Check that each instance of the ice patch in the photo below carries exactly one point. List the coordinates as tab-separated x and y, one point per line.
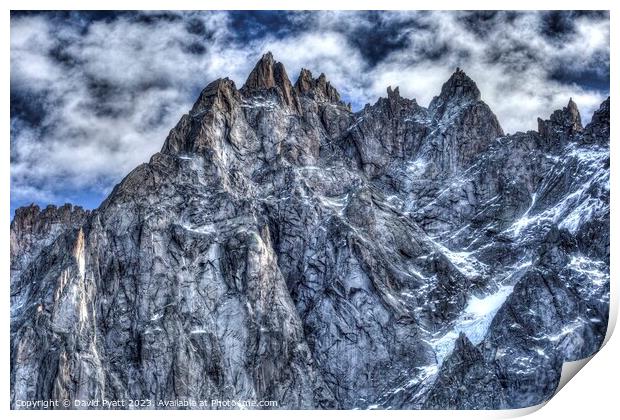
469	266
581	213
523	264
417	274
416	167
422	374
589	154
566	330
524	220
336	203
481	307
204	229
595	270
474	321
420	119
260	102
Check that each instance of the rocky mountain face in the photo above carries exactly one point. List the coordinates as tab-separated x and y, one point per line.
33	229
282	247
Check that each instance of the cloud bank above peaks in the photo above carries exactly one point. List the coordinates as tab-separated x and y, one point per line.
93	94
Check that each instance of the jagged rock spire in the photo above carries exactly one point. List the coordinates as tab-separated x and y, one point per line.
572	109
319	89
305	82
393	94
262	76
601	116
569	116
220	92
561	124
219	97
397	102
459	89
598	129
270	74
459	85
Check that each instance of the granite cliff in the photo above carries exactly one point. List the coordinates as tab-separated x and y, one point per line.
283	247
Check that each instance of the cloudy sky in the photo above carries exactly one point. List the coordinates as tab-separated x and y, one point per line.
94	94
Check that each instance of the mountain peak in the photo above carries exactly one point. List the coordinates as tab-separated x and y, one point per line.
305	81
571	113
566	120
393	94
460	85
319	89
568	116
598	128
263	74
458	89
268	74
214	91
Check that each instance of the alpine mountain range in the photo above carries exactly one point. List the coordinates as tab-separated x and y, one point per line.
283	247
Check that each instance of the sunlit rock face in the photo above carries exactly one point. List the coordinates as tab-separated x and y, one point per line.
282	247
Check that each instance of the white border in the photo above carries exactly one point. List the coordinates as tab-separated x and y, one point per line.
594	393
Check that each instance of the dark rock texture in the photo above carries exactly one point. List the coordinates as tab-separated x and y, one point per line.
465	381
32	229
282	247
